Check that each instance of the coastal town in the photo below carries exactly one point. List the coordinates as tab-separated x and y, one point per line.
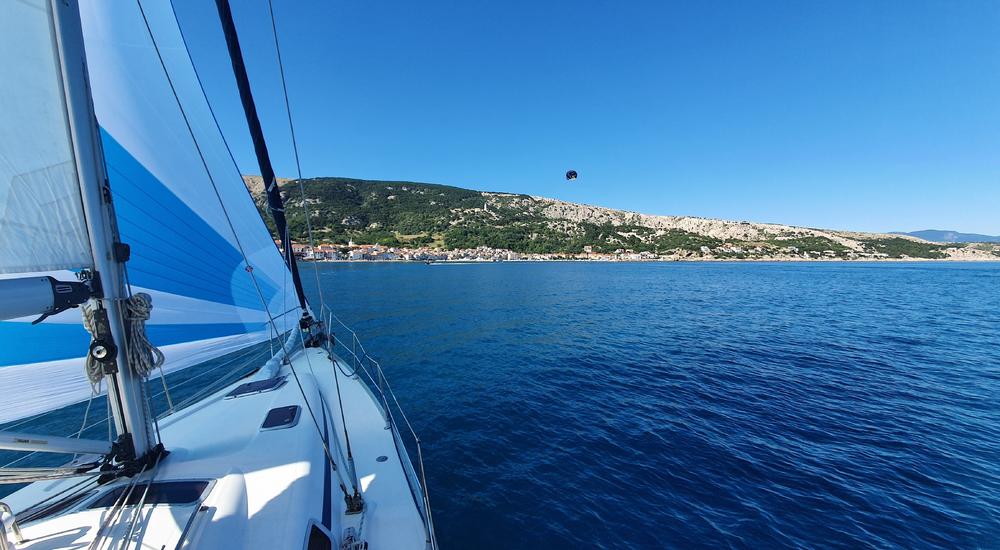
368	220
353	252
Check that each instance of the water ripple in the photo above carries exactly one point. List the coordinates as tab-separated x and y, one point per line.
696	405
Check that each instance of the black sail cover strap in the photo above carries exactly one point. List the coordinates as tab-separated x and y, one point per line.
274	202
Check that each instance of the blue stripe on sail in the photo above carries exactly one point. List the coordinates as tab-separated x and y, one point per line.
173	249
25	343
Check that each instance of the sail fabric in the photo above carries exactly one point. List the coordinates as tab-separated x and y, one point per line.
41	214
180	201
198	244
41	367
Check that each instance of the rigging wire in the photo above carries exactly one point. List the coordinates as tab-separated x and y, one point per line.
220	383
312	243
225	143
208	172
125	286
94	392
137	509
38	509
326	448
201	154
114	513
107	419
211	388
319	430
285	273
295	150
343	420
23	421
140	355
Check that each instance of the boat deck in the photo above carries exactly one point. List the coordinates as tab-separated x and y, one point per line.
266	487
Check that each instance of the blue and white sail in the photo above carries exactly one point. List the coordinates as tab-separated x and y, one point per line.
42	224
198	244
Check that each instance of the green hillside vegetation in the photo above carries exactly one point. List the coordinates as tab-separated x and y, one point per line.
810	244
898	247
410	214
345	208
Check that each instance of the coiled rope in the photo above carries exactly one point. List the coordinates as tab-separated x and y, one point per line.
142	356
93	368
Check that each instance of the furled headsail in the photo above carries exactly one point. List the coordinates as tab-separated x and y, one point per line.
198	244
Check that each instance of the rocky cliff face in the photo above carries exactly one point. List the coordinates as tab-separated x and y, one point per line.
256	185
723	230
420	214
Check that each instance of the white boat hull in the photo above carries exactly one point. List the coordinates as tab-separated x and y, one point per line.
268	488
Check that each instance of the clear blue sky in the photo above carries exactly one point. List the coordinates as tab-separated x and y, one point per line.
869	115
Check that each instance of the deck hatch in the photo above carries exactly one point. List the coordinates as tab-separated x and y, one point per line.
260	386
318	540
161	492
54	509
281	417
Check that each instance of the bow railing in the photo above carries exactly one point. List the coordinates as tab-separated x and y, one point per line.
351	352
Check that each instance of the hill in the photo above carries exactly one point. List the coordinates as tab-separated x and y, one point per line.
410	214
942	236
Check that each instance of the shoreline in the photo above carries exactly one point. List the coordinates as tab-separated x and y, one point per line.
667	261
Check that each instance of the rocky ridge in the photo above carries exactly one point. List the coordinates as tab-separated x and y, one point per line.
410	214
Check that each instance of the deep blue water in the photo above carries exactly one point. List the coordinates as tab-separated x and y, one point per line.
681	405
569	405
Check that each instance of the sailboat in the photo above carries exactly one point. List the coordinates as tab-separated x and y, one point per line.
143	296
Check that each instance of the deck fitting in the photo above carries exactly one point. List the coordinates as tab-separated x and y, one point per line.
355	504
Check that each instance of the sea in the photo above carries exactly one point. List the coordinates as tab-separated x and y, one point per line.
693	405
687	405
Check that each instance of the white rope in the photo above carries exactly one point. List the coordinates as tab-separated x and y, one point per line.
141	355
93	368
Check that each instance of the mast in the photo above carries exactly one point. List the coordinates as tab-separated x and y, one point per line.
274	202
125	387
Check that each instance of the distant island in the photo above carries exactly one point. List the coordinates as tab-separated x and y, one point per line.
409	220
942	236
